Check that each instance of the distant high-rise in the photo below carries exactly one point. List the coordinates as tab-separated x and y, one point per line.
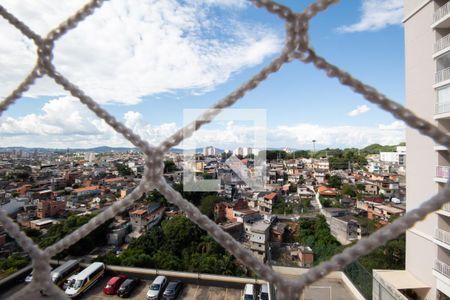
209	151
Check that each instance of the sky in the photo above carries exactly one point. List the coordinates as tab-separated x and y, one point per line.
150	63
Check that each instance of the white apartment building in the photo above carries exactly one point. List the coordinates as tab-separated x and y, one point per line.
209	151
397	157
427	58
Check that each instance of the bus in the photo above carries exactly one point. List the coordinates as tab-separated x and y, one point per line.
85	279
64	271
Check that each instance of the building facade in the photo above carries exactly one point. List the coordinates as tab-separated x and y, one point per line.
427	60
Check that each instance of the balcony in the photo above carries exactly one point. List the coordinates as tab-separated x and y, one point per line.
441	45
442	268
445	211
443	238
442	173
441	17
442	110
442	75
446	207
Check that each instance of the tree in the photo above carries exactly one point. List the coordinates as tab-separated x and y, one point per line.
180	232
155	196
124	170
207	204
301	180
348	190
169	166
177	245
12	264
335	181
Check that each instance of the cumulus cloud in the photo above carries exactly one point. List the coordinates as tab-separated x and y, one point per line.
301	135
376	15
359	110
130	49
78	127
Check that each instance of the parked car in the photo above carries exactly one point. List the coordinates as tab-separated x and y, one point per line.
249	292
113	284
173	289
264	292
127	287
29	278
157	288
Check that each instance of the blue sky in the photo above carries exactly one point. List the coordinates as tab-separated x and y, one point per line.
149	86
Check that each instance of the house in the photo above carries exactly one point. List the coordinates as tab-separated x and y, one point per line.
225	210
118	233
41	223
277	232
380	212
144	218
50	208
257	238
327	191
347	229
266	203
304	255
84	192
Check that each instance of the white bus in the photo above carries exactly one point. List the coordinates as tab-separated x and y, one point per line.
64	271
85	279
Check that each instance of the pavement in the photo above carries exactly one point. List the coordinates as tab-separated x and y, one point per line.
190	291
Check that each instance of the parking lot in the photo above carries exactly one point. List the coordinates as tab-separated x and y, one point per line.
190	291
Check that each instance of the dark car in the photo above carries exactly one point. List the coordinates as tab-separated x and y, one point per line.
113	284
172	290
127	287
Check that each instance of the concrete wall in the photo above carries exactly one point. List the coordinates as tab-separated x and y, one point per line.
422	159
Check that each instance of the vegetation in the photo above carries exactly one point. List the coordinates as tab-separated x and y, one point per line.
207	204
335	182
57	231
177	245
316	234
12	264
169	166
124	170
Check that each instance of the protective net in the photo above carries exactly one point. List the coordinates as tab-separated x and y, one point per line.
296	46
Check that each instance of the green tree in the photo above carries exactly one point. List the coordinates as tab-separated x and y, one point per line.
169	166
207	204
124	170
348	190
335	181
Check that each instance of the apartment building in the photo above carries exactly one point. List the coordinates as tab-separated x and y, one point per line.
427	58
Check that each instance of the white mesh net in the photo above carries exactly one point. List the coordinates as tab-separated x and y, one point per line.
296	47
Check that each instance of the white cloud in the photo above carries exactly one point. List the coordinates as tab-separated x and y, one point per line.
301	135
77	127
359	110
130	49
376	15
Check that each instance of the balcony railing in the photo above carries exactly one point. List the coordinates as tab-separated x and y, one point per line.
441	12
442	75
442	43
442	236
446	207
442	171
442	268
442	107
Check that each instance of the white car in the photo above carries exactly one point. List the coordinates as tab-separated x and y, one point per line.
157	288
249	292
29	278
264	292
